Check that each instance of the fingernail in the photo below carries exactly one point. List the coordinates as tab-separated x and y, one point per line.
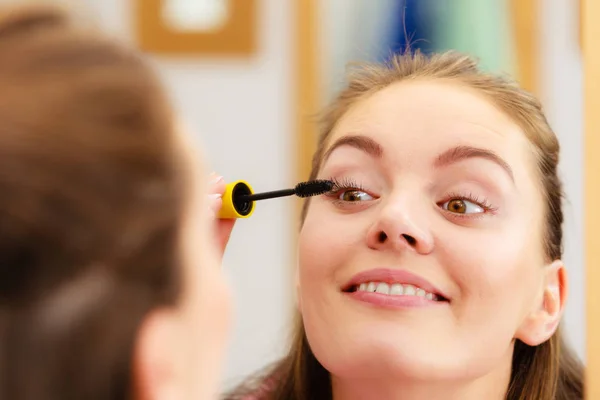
216	179
214	196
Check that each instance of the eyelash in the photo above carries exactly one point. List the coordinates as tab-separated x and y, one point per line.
473	198
343	184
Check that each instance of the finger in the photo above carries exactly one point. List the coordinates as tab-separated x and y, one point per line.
225	228
216	184
215	203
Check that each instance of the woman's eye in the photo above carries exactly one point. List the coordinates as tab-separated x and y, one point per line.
461	206
354	196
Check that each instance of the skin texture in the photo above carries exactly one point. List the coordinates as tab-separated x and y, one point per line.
486	256
180	351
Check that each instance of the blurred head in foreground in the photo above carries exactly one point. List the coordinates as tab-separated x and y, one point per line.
108	272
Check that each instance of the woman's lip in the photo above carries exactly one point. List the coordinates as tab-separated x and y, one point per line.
390	276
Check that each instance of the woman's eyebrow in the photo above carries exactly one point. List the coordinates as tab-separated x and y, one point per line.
460	153
360	142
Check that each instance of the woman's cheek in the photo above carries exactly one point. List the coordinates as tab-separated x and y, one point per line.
486	264
328	242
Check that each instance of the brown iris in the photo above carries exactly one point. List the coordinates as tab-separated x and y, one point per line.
457	206
352	195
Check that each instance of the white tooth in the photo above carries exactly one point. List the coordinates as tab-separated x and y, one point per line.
362	287
409	290
396	289
371	287
429	296
383	288
420	293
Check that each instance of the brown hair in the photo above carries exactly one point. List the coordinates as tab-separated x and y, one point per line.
90	206
546	372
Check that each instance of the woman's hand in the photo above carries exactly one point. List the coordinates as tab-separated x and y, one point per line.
223	226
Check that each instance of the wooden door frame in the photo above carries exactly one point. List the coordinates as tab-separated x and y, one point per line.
590	32
307	83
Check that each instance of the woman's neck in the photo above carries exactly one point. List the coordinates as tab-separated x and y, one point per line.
490	387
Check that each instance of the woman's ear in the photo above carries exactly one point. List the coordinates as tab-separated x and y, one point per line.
541	323
157	358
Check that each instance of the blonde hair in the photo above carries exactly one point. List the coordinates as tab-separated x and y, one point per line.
544	372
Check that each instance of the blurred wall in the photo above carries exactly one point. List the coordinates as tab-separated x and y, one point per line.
242	112
561	84
342	42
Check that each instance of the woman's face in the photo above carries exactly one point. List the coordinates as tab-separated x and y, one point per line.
426	261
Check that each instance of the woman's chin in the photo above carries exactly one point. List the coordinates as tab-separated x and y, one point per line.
402	357
372	344
382	358
382	368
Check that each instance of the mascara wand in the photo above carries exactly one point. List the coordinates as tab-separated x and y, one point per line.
303	189
239	197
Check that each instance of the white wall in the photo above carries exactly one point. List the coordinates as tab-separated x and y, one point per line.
242	110
562	81
342	42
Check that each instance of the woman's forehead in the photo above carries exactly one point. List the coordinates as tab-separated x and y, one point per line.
424	103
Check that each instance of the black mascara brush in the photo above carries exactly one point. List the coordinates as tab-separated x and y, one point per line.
239	198
303	189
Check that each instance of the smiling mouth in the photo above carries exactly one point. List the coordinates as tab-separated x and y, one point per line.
395	289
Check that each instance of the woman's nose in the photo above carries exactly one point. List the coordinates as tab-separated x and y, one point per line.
401	227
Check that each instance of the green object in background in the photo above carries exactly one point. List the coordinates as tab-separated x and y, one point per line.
481	28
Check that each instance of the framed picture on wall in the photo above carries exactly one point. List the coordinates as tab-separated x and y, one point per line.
196	27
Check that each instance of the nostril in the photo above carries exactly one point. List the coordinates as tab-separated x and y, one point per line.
382	237
411	240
